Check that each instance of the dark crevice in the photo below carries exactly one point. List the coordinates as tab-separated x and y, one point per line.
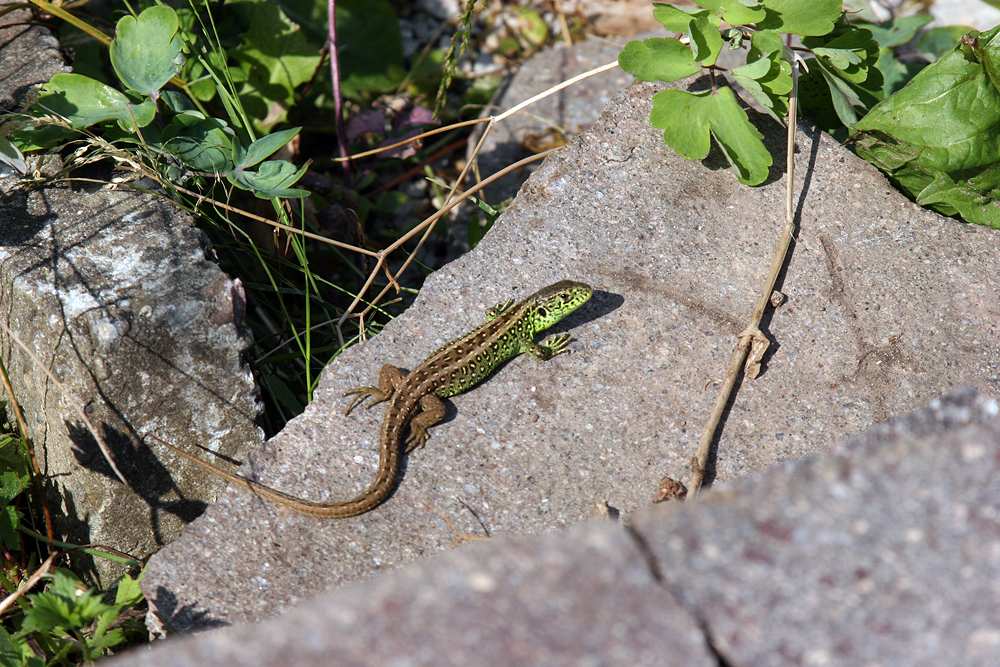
657	573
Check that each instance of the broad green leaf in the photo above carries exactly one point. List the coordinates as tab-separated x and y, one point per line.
690	120
146	50
938	138
706	39
677	19
815	17
204	144
735	12
85	102
262	148
12	157
938	41
658	59
897	31
970	198
950	114
271	180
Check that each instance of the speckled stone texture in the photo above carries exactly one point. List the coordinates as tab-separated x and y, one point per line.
886	552
888	306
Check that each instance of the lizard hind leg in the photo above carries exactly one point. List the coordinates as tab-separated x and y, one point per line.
389	379
432	410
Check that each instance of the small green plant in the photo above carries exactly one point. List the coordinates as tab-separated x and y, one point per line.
845	54
936	138
70	622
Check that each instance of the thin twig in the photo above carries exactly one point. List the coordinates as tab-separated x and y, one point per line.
29	584
752	340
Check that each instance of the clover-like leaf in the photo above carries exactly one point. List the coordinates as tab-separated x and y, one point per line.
146	50
677	19
816	17
658	59
271	180
735	12
767	76
85	102
853	53
690	120
706	40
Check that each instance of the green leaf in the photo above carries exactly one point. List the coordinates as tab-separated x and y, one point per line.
735	12
690	120
202	144
146	50
658	59
816	17
14	651
897	31
840	58
261	149
12	157
677	19
66	604
853	54
767	76
938	138
85	102
707	41
936	42
271	180
128	593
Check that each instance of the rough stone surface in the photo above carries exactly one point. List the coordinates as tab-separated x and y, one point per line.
585	597
886	552
112	290
887	307
571	110
29	55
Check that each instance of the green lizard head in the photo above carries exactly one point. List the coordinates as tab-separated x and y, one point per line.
555	302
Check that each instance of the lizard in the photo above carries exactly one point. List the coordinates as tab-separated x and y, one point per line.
415	399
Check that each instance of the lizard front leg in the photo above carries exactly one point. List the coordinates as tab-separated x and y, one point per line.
551	347
390	379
